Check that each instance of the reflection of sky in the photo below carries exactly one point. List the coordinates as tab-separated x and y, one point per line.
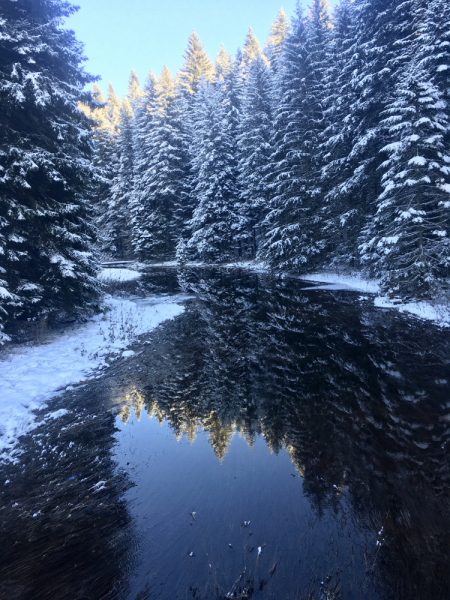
174	478
143	34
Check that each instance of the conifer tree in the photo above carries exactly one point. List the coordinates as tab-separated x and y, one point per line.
117	217
408	243
294	238
164	184
275	42
344	219
135	94
45	171
105	160
214	168
143	132
250	51
196	64
113	110
375	60
223	64
255	135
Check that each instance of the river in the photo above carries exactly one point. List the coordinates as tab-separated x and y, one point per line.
272	442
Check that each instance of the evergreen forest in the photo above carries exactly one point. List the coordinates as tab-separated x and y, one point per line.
328	147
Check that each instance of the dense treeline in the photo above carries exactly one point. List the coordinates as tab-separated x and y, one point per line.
47	235
328	147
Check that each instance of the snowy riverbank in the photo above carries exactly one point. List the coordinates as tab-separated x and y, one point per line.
30	376
437	312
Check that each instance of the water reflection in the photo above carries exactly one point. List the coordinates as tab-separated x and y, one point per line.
65	531
359	399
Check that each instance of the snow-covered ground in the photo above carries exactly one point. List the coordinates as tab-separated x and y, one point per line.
437	312
111	274
30	376
338	281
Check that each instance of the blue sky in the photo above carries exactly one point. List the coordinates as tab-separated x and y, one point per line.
146	34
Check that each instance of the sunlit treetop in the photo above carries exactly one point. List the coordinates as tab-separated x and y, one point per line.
196	64
251	49
223	63
113	111
135	94
278	33
165	88
320	10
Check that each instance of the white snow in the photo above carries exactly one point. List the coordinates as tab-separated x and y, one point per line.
439	313
340	281
110	274
30	376
57	413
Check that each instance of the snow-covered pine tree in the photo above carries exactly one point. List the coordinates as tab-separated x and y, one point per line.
164	186
251	50
255	135
135	94
44	161
222	66
408	241
196	65
294	238
275	42
117	217
105	160
373	61
145	119
214	168
343	222
113	111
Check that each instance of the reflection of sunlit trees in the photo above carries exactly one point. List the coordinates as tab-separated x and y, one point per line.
349	392
152	407
124	413
130	399
219	435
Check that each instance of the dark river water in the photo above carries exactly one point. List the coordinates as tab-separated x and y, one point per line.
271	442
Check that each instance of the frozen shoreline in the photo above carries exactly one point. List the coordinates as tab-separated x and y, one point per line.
437	313
30	376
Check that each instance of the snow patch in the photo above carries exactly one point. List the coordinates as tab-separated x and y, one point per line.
110	274
30	376
439	314
344	282
57	413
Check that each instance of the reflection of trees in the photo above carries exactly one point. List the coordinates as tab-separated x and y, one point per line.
67	536
356	397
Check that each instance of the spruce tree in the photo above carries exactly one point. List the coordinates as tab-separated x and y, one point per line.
251	49
143	131
135	94
45	168
255	135
408	244
164	186
344	218
294	238
215	219
275	42
222	66
117	219
105	159
376	57
113	110
196	64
